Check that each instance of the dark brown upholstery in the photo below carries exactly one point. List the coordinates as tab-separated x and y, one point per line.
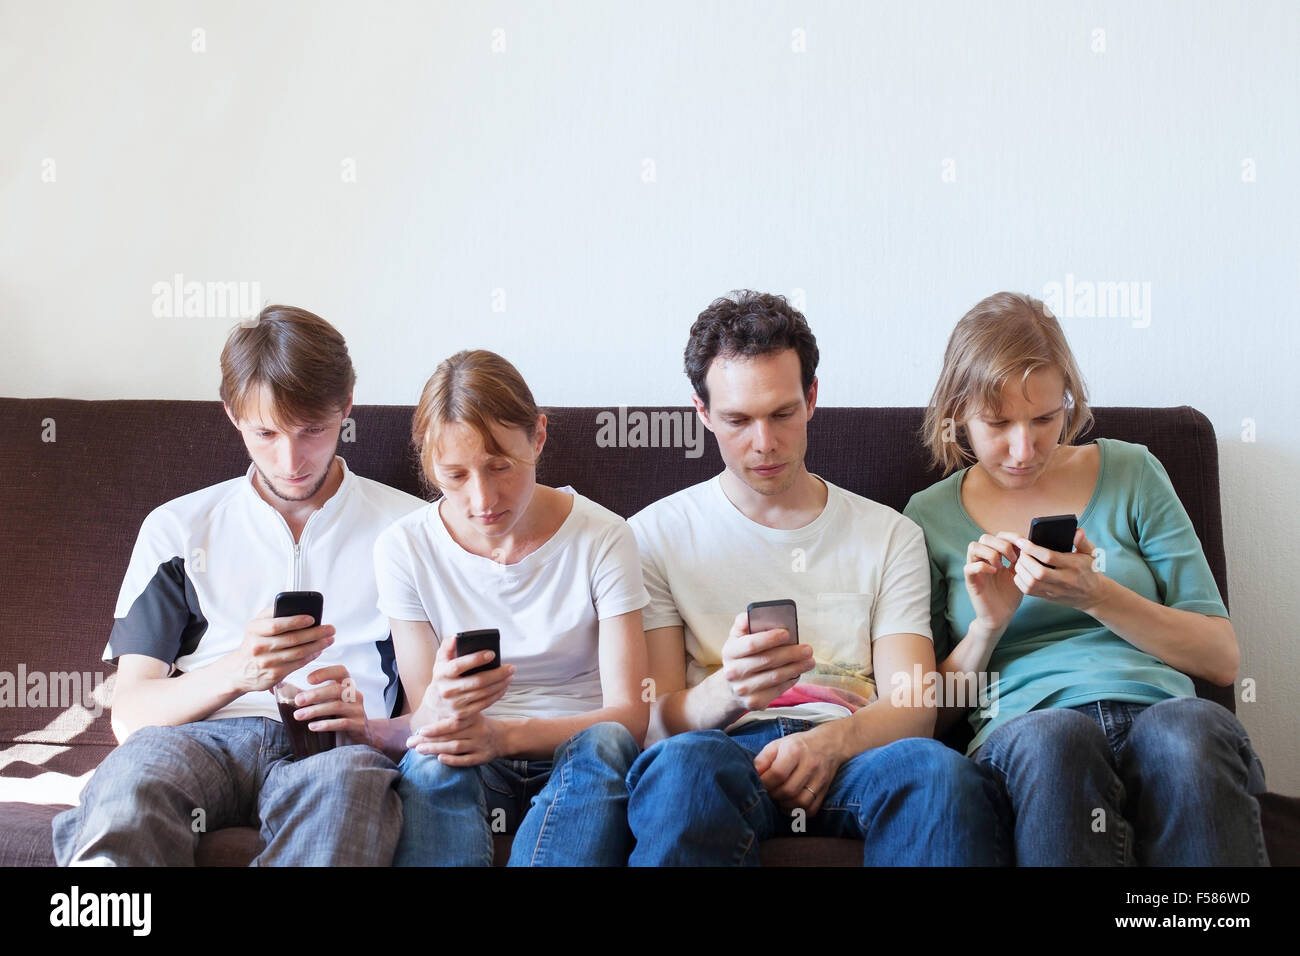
70	510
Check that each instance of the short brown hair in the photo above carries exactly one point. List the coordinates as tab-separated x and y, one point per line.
298	355
748	323
1006	337
476	388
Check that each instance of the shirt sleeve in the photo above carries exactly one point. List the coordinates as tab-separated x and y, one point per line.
662	609
903	604
939	629
1170	546
616	583
399	598
157	610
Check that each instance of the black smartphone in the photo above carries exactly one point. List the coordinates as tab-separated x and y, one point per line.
769	615
293	603
471	642
1055	532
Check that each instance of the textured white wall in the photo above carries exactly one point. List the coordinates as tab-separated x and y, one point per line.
611	167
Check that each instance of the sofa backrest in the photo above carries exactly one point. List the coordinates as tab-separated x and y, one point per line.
78	477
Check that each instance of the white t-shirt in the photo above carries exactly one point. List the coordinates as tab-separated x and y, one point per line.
857	572
548	607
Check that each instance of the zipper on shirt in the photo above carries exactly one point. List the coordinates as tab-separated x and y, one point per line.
295	573
295	570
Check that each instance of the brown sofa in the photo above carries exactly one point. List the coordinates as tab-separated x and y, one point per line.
70	509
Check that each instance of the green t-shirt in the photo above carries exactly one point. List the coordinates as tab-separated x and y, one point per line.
1056	656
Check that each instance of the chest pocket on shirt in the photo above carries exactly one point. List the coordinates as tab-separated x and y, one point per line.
839	629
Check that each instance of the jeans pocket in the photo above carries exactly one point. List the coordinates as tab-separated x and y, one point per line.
497	781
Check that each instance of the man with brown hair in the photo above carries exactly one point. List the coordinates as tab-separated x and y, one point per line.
202	741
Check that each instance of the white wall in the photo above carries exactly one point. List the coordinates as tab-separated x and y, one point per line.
819	173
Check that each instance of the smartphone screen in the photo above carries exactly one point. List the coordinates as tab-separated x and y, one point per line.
768	615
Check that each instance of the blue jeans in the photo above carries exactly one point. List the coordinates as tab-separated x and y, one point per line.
696	800
569	811
152	797
1113	784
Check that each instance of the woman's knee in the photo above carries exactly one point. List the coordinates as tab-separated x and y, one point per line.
1050	743
608	743
1187	732
426	774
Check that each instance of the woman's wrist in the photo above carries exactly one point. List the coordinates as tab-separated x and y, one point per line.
985	633
1102	598
972	653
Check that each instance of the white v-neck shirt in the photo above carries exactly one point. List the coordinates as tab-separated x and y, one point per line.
548	606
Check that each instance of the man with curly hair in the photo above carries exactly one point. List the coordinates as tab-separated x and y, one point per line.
769	733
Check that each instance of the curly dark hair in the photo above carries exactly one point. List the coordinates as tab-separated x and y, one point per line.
748	323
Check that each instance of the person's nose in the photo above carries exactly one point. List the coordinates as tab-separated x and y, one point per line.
1021	443
481	496
293	457
764	436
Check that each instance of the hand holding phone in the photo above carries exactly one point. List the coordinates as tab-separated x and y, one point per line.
757	667
277	642
1074	580
461	695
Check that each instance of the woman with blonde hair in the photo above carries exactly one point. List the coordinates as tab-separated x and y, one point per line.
539	742
1092	723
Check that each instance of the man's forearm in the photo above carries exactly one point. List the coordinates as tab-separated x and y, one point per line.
875	725
171	701
709	705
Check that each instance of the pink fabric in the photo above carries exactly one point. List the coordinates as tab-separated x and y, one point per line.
818	694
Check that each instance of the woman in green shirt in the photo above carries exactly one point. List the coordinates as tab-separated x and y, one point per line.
1087	714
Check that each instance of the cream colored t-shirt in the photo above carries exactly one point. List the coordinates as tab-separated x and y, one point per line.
857	572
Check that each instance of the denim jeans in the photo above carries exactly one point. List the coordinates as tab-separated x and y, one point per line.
1113	784
152	797
569	811
697	800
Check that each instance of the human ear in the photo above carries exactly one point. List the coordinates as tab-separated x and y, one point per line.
702	410
539	436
